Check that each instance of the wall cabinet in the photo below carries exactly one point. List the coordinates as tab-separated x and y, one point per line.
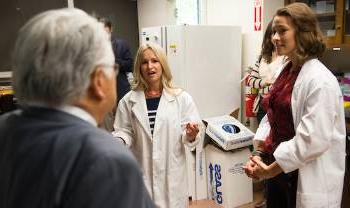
334	19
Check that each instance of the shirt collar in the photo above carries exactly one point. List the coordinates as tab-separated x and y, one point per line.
78	112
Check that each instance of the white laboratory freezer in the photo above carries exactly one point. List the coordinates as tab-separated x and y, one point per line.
205	61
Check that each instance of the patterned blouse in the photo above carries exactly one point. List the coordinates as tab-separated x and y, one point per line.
152	106
263	72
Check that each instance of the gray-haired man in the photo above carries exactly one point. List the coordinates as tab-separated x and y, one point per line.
51	152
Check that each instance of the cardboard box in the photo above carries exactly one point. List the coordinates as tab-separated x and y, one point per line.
228	185
228	132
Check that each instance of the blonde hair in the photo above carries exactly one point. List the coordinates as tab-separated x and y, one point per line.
139	82
308	36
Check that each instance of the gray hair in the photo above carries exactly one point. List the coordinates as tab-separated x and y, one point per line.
55	54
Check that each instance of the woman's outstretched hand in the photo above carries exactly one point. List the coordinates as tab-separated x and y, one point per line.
191	131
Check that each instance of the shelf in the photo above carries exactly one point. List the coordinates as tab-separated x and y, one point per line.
332	15
6	74
326	14
5	78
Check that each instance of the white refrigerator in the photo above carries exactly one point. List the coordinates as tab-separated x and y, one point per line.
205	61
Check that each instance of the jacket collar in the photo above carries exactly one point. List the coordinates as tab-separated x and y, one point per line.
52	114
304	70
139	107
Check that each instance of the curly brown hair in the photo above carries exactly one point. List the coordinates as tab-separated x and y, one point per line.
267	46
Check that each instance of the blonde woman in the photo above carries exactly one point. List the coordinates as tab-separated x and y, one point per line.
155	120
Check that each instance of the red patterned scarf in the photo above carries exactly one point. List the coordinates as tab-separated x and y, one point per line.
278	107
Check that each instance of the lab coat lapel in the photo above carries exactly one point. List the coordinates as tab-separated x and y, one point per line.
139	110
296	90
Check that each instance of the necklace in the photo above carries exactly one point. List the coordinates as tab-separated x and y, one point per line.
153	93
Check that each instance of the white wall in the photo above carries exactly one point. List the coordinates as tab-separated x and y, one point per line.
229	12
270	7
241	13
237	13
156	12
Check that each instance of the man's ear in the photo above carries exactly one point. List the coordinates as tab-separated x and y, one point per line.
97	84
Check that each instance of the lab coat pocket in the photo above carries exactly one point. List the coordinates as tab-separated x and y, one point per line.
177	145
178	149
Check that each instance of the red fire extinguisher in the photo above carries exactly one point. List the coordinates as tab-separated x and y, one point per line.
250	96
249	104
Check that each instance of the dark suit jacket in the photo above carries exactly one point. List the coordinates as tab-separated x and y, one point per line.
124	58
49	158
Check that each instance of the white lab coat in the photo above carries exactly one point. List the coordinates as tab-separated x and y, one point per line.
162	157
318	148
